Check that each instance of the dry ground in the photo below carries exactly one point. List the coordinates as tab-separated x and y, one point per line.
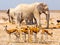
54	40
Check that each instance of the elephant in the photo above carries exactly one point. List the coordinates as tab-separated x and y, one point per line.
11	15
28	19
36	9
18	17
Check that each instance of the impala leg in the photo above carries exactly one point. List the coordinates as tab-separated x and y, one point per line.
20	35
17	36
41	37
46	37
24	37
35	35
29	36
9	38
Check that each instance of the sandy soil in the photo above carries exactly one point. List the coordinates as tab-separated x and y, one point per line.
54	40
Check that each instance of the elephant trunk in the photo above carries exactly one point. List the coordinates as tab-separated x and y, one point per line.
47	18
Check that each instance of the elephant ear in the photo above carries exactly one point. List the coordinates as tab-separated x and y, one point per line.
40	7
8	11
45	7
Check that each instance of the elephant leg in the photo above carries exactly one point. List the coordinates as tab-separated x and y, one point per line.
12	20
20	22
31	21
9	19
28	21
35	21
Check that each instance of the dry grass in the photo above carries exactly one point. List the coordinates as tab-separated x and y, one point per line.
4	38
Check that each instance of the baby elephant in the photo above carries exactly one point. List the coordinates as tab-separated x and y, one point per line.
29	19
